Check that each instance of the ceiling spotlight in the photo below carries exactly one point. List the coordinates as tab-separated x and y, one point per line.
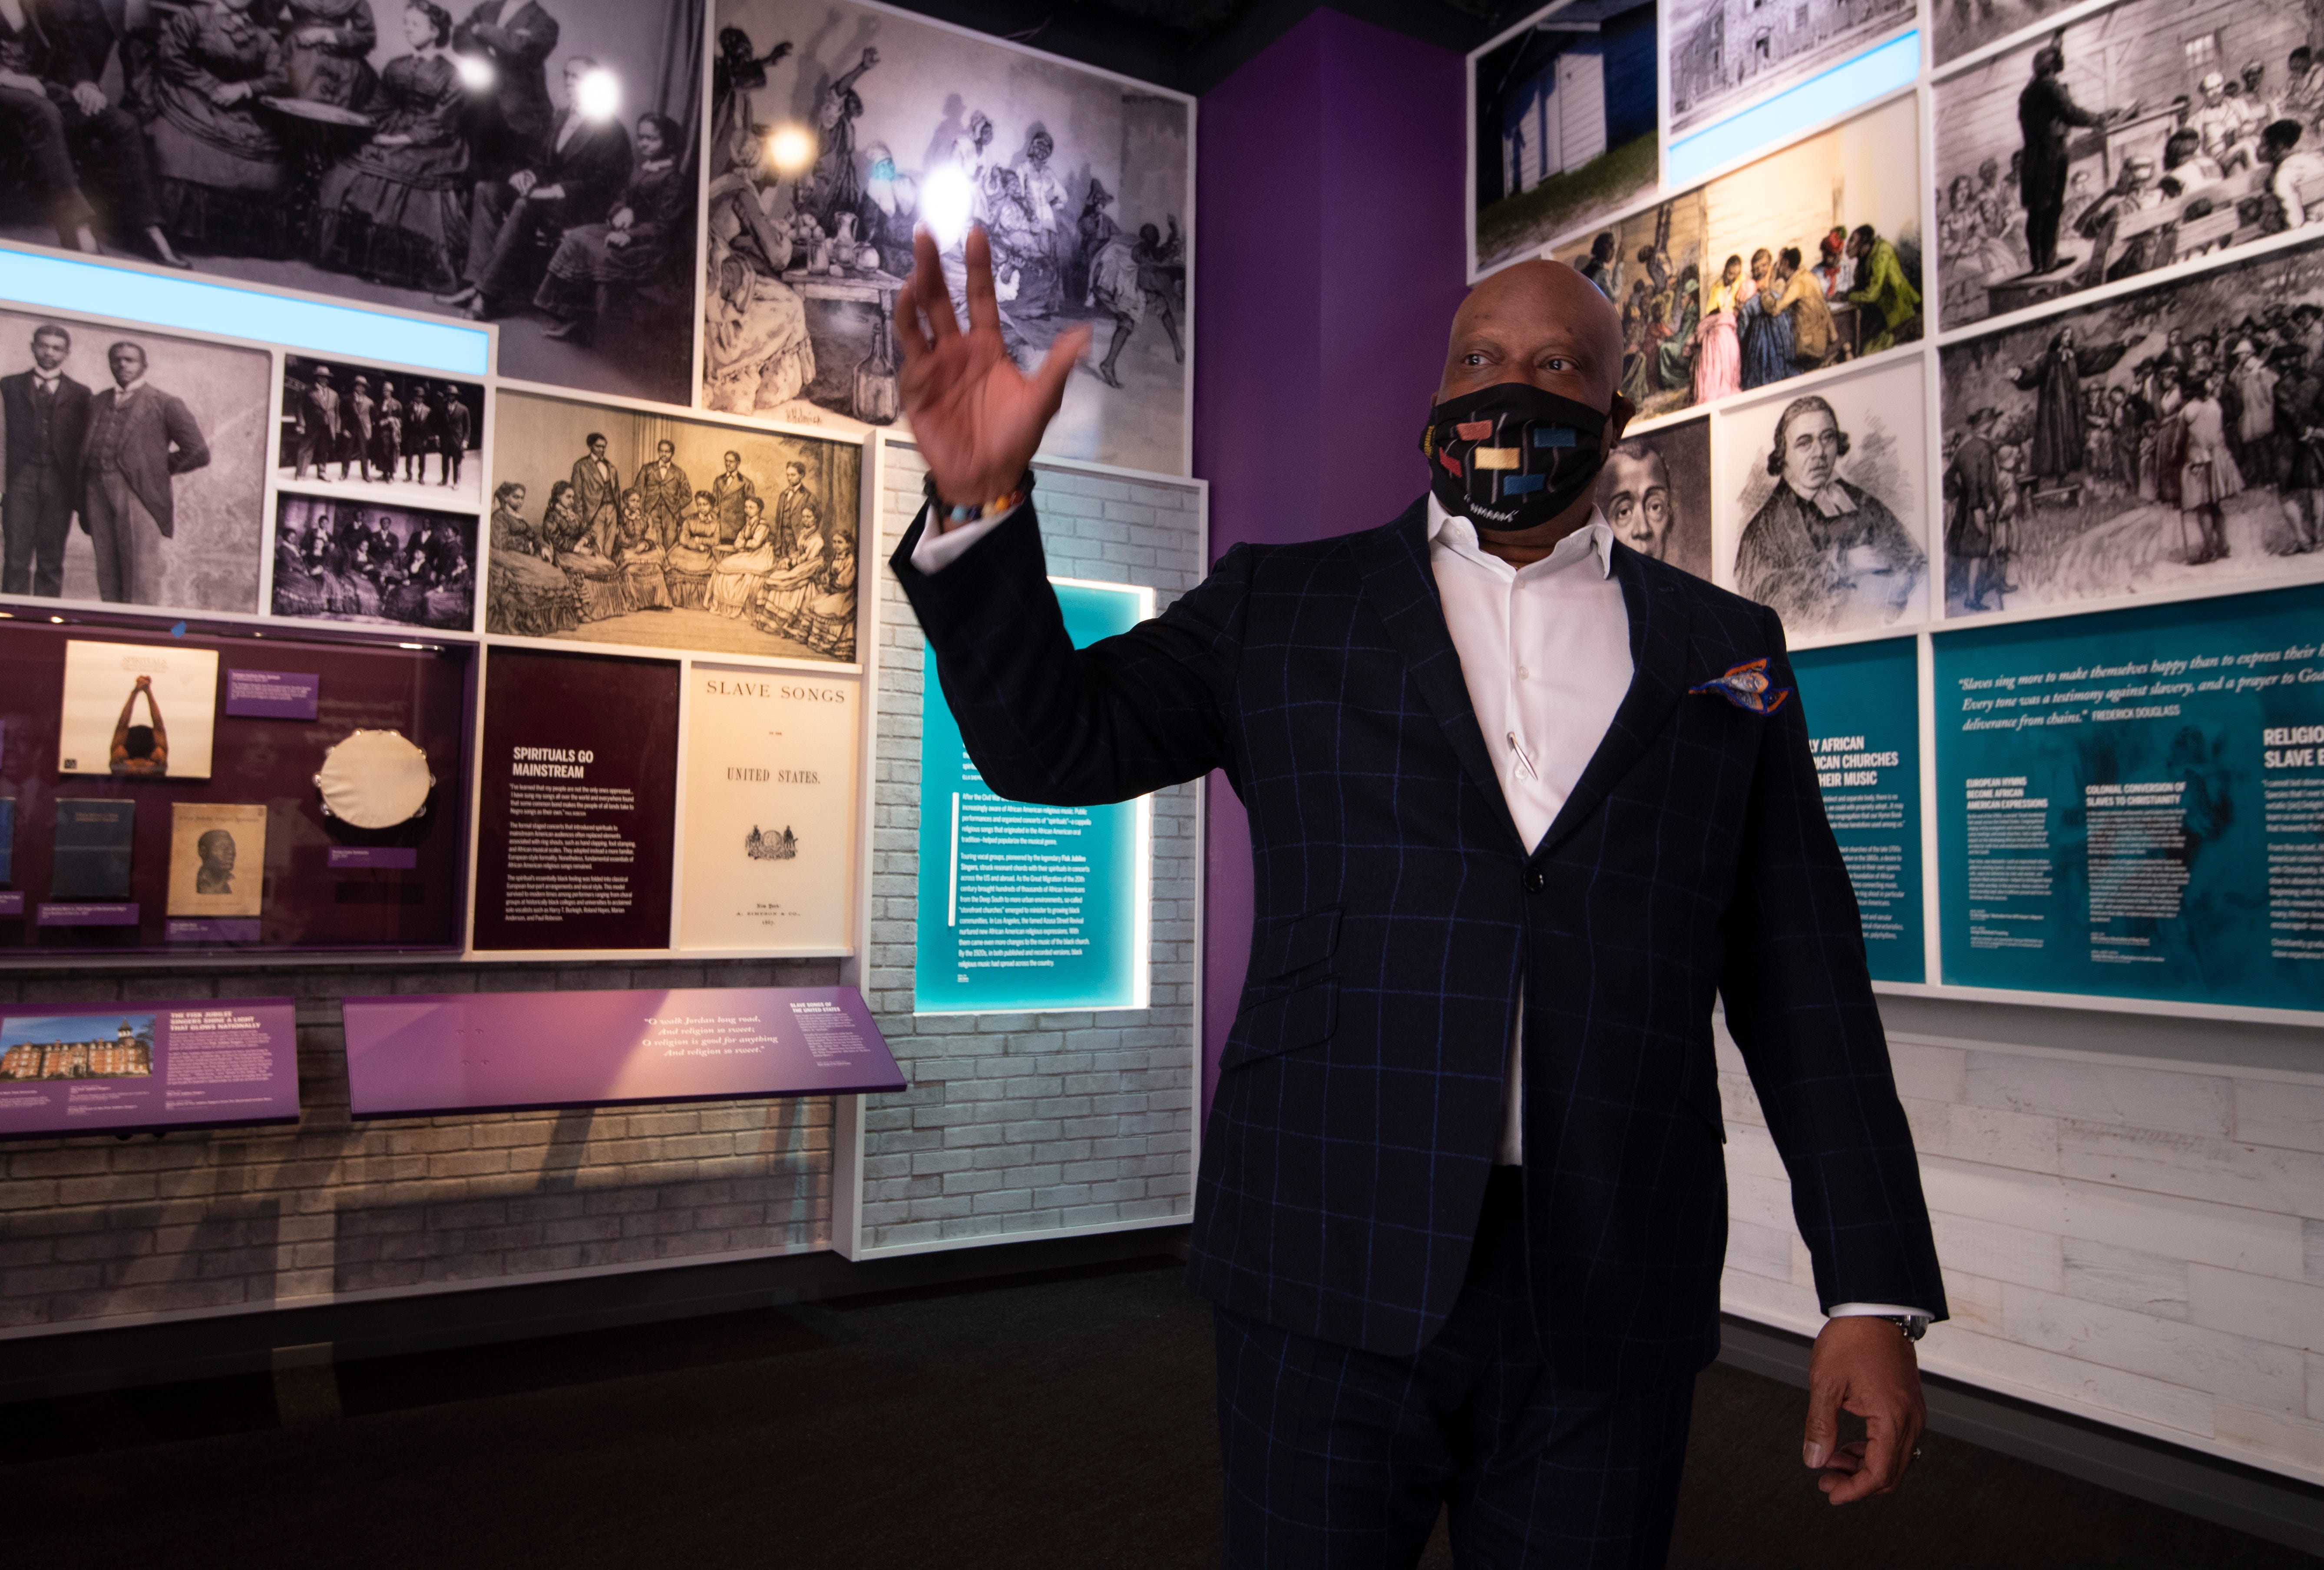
790	149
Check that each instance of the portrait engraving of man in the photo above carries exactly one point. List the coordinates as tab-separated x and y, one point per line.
140	440
47	414
1655	493
1822	552
216	874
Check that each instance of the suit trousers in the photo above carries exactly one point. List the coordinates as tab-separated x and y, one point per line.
128	540
1336	1457
504	233
35	517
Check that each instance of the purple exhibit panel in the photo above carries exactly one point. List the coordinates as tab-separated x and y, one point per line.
205	1064
504	1051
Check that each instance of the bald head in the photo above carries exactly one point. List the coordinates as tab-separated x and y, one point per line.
1540	322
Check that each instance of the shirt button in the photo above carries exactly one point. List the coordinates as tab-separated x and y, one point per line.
1536	880
1523	673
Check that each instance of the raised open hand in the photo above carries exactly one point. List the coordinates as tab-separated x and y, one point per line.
976	418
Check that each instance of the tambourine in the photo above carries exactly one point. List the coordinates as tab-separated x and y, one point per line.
374	780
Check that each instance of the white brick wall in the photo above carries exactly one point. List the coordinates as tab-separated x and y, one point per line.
2135	1239
1019	1124
100	1228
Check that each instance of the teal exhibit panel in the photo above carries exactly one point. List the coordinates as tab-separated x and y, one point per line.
1024	907
2132	804
1862	702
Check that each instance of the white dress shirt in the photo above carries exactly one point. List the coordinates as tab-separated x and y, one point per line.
1545	655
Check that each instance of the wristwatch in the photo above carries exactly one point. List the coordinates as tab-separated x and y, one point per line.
1914	1325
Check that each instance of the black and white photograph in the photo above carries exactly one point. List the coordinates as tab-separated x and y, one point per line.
1814	257
1654	491
1726	55
349	560
1650	265
1562	112
1960	27
136	466
615	526
382	435
1821	502
528	162
2146	134
836	126
2171	437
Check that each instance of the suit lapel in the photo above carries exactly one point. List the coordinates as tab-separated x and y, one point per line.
1658	644
1401	587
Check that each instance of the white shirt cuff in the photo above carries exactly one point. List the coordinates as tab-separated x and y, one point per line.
1870	1310
940	548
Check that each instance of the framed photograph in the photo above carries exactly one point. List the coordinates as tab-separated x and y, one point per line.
528	163
2160	441
142	711
1650	264
147	487
217	859
350	560
770	810
614	525
1820	503
1814	251
1655	493
1563	115
382	435
2119	145
1726	55
836	126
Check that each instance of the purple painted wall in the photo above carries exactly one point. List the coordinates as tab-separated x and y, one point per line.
1331	257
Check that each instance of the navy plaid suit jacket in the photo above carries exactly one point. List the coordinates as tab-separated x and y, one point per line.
1360	1099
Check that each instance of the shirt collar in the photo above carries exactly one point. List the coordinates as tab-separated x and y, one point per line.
1594	539
123	395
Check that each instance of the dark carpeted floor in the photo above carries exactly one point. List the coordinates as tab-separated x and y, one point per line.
1035	1423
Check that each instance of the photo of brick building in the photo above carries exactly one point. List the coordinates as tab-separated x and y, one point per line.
55	1054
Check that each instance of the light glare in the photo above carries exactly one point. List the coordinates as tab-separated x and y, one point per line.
790	149
598	94
945	202
477	73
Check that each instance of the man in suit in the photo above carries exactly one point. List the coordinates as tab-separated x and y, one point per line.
52	53
47	414
361	406
598	496
321	429
580	173
513	41
454	423
731	492
1524	804
795	512
665	490
140	440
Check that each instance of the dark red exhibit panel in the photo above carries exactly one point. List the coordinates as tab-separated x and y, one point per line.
578	782
398	889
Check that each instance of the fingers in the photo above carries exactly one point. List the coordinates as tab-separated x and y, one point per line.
928	295
984	309
1050	381
1877	1463
1823	1420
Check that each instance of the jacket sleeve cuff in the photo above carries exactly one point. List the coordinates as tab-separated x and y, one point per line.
939	550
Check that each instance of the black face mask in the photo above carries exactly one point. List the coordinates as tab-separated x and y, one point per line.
1510	456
